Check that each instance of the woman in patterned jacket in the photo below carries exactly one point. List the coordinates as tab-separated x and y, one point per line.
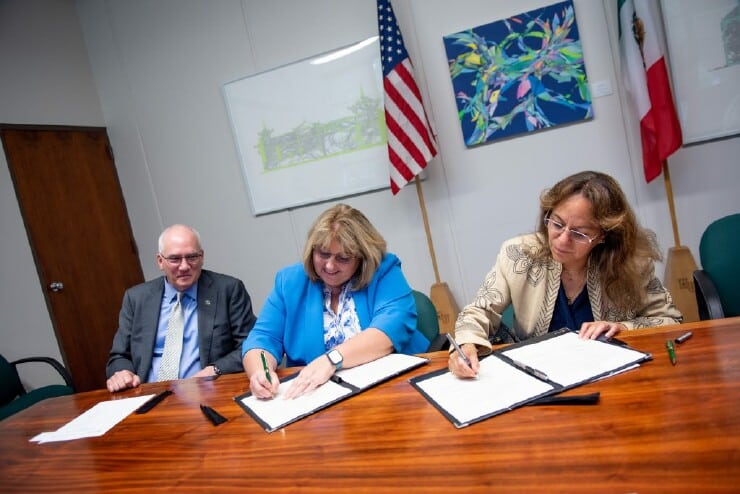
589	267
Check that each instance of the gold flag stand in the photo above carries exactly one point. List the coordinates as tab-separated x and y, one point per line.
440	294
680	264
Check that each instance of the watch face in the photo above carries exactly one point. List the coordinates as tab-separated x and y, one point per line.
334	357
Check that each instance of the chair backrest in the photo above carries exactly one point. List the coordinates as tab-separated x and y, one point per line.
720	261
427	322
10	382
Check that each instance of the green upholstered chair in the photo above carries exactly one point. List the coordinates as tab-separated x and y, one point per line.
717	283
14	397
505	332
427	322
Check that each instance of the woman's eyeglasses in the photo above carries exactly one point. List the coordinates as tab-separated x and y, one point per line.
574	235
339	258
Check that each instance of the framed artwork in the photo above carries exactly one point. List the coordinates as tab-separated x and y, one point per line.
704	55
313	130
519	74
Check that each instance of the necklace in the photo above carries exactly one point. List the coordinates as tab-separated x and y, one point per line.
571	276
573	282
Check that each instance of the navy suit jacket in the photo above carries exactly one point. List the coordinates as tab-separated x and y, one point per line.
225	318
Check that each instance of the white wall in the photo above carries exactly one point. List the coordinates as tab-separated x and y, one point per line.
159	68
46	79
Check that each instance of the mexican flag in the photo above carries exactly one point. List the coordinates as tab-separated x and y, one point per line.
641	46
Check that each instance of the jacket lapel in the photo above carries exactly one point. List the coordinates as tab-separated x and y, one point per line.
151	305
207	302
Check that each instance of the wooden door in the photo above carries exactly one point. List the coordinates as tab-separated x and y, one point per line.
80	236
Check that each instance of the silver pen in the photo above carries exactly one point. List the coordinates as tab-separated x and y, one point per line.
459	350
530	370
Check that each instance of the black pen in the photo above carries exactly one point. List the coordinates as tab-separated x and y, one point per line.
459	350
153	402
684	337
589	399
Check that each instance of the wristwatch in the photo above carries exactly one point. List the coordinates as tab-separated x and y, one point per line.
335	357
216	370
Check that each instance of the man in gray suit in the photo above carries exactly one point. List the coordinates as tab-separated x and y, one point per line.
217	314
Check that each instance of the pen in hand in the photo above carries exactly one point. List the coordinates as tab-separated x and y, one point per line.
459	350
265	367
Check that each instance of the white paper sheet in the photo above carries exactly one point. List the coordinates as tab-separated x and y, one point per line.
96	421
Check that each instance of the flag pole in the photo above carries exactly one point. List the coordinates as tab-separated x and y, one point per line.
680	264
671	207
444	302
430	244
412	146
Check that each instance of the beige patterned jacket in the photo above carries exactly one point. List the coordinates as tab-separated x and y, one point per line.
532	288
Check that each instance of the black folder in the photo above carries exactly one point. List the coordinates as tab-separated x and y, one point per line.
525	372
273	415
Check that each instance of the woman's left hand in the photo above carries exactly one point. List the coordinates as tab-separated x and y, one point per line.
311	377
592	330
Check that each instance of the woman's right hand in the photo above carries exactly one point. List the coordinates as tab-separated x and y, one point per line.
263	381
459	367
261	387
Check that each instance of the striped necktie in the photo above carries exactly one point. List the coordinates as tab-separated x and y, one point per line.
169	366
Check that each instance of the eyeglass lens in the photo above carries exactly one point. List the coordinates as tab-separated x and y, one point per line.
339	258
190	259
574	235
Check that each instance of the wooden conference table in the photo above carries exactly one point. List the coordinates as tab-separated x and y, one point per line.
659	428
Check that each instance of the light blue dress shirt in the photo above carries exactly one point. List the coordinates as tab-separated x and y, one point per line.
190	357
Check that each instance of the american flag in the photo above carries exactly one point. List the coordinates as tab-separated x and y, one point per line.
410	141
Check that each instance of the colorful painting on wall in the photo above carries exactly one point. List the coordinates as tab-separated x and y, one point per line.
520	74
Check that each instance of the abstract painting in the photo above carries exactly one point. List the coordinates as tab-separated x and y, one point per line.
519	74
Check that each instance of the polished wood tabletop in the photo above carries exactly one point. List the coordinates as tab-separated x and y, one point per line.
658	428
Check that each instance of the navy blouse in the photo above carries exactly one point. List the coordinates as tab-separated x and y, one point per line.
571	315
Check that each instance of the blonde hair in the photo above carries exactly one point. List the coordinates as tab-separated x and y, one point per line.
626	250
356	236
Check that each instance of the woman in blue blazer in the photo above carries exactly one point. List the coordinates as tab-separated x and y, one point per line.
348	303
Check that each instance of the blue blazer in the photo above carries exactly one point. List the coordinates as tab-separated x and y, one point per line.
224	318
292	320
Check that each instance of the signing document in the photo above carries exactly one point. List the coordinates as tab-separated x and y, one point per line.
278	412
524	372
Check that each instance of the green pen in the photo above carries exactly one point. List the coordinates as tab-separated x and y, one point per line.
264	366
671	351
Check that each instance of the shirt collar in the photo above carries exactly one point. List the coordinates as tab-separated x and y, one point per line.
170	293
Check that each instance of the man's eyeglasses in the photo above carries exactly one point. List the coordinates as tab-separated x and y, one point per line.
574	235
191	259
339	258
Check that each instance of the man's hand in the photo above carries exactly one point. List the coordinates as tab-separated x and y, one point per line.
123	379
206	371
